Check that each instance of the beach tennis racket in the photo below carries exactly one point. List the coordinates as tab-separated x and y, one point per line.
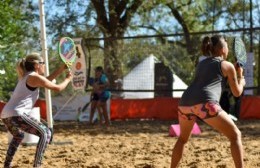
67	51
86	105
239	51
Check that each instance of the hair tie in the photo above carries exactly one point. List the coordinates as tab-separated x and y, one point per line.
23	61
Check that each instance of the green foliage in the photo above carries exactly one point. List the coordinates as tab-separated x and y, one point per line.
17	34
19	31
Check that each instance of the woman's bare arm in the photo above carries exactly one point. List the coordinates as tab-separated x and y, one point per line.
57	72
235	78
37	80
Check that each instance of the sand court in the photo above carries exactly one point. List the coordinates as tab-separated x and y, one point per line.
136	144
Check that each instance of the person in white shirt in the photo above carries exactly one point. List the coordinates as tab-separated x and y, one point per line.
15	113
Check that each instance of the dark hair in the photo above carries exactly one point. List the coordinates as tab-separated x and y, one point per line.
210	44
99	69
216	41
31	60
206	46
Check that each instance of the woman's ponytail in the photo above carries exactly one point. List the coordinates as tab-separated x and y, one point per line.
20	68
206	46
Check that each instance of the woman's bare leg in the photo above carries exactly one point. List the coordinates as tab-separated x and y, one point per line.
224	124
103	106
92	111
185	131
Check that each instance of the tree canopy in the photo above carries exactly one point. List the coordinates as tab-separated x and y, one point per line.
17	37
104	23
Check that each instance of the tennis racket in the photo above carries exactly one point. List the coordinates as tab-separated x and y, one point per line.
67	51
239	51
86	105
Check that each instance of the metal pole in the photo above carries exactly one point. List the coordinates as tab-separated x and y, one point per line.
45	57
213	20
251	26
258	79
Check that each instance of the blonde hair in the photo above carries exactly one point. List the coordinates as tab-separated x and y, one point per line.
27	64
31	60
20	68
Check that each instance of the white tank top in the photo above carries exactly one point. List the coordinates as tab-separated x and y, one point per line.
22	99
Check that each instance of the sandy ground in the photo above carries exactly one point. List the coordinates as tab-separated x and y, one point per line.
135	144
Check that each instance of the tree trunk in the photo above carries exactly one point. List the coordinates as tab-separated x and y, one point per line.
112	61
113	19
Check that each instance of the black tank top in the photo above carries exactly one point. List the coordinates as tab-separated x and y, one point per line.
207	84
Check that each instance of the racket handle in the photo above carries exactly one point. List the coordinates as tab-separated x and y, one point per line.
51	138
239	64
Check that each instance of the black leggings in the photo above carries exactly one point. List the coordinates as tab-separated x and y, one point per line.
17	126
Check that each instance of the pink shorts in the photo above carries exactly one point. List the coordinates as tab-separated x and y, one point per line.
202	111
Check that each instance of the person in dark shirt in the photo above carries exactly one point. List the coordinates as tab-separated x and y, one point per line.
100	95
201	99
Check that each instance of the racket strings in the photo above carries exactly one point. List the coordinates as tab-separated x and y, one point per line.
67	51
240	51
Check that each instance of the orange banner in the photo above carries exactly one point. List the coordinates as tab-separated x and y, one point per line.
250	107
2	104
157	108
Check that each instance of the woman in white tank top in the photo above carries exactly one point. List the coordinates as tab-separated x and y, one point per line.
15	113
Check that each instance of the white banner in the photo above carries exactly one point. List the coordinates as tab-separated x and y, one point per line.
79	67
249	73
70	108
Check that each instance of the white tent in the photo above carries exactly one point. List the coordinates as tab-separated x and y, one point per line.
142	78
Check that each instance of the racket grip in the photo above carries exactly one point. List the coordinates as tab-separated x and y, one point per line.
51	138
239	64
68	64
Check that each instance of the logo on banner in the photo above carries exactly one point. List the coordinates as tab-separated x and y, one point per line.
79	67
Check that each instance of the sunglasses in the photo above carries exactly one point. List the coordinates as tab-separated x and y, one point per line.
42	63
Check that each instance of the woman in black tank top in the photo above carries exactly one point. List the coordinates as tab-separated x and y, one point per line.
197	100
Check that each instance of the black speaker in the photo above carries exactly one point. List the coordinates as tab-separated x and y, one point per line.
163	81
